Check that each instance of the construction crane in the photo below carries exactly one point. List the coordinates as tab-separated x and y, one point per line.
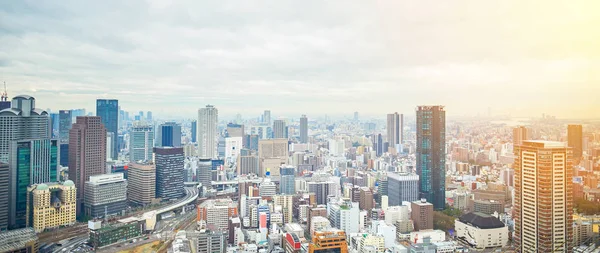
4	95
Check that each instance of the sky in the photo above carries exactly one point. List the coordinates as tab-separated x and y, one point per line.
515	57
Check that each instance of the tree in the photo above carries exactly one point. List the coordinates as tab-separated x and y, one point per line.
587	207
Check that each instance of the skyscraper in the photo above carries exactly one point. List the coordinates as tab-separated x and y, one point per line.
575	137
194	131
141	187
431	154
303	129
279	129
87	152
20	122
207	131
287	183
235	130
395	123
168	135
520	134
169	172
543	204
31	162
267	117
203	172
141	142
4	190
65	121
402	187
108	111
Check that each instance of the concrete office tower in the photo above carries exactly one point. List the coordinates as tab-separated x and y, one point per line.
321	191
203	172
4	191
365	199
194	130
267	117
87	152
169	172
431	154
395	123
108	111
287	183
65	120
233	146
543	202
520	134
105	194
235	130
303	129
141	142
279	129
344	215
247	165
51	205
207	131
141	187
402	187
421	214
168	135
211	241
31	162
216	213
272	154
22	121
575	141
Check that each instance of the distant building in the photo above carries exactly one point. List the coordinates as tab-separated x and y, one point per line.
203	172
23	240
481	231
520	134
235	130
431	154
395	123
287	181
575	140
108	111
215	213
105	194
211	241
401	187
280	130
51	205
194	129
366	199
488	206
170	163
248	165
141	142
422	215
141	187
168	135
207	131
4	190
303	129
64	126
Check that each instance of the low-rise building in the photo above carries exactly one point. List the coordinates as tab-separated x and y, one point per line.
481	231
101	236
211	241
51	205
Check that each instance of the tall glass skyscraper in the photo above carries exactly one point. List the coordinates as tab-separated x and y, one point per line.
303	129
168	135
431	154
288	179
169	172
194	130
108	110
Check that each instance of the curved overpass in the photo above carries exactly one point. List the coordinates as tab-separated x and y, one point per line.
191	194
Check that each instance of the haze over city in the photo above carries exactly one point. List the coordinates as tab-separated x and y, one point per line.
309	57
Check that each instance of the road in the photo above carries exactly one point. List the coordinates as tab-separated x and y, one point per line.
73	243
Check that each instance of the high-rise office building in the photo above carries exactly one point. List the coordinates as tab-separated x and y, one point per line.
141	187
520	134
543	202
108	111
303	129
279	129
267	117
203	172
4	191
422	214
149	116
366	199
402	187
54	124
105	195
141	142
287	181
395	123
51	205
321	191
207	131
31	162
247	165
87	152
216	213
21	122
431	154
169	172
168	135
235	130
194	130
575	140
211	241
64	125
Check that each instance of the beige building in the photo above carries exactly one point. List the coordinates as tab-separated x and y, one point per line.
378	242
481	230
543	203
141	186
422	215
51	205
272	153
287	205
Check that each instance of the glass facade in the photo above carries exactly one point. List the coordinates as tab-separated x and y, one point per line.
108	110
431	154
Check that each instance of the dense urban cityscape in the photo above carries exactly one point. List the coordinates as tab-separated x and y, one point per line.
409	182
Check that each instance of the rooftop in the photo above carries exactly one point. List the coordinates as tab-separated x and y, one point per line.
546	144
481	220
16	239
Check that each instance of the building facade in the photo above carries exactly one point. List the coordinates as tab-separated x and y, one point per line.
141	142
543	202
280	130
169	172
207	131
575	140
520	134
168	135
108	111
287	182
431	154
482	231
51	205
23	240
105	194
215	213
395	123
4	191
401	187
141	186
422	215
303	129
64	125
211	241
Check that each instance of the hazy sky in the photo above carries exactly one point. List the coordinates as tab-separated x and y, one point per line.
314	57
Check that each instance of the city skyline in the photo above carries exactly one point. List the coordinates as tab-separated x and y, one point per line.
170	60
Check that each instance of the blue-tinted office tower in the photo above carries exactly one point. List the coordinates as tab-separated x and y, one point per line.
194	130
168	135
287	183
108	110
431	154
54	124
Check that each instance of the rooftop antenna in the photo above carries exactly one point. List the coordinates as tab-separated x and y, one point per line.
4	96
